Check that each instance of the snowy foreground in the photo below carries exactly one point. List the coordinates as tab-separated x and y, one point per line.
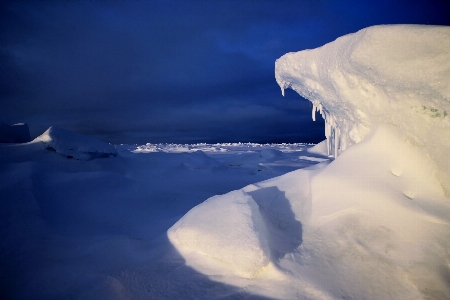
96	229
83	220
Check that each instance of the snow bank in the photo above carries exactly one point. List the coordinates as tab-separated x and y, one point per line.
369	225
390	74
17	133
228	228
74	145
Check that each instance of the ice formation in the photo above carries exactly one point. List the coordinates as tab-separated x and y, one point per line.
75	145
389	74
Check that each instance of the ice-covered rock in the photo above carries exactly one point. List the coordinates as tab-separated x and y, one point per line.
17	133
75	145
389	74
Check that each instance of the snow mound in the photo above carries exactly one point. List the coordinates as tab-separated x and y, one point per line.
227	228
369	225
75	145
390	74
17	133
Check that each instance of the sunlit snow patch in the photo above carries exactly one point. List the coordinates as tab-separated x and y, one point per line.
217	229
75	145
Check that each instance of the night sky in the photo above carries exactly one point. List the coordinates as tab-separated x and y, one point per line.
174	71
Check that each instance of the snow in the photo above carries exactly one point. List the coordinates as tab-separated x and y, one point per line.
240	221
374	223
96	229
362	215
389	74
369	225
74	145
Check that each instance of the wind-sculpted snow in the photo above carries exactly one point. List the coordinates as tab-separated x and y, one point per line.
391	74
75	145
240	220
369	225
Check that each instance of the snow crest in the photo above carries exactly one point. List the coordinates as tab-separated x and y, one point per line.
239	220
75	145
389	74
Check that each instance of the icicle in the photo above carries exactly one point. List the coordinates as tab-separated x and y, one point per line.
327	133
336	142
314	108
282	90
343	143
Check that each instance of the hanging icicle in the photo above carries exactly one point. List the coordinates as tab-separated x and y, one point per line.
314	111
336	141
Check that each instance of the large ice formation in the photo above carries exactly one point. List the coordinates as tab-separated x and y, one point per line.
75	145
390	74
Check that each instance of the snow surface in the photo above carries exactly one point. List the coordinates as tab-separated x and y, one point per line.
75	145
96	229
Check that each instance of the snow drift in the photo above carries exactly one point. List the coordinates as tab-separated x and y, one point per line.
374	223
75	145
240	220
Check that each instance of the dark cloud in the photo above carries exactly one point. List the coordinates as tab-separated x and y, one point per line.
153	71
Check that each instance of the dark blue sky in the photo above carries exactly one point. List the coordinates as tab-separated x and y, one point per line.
174	71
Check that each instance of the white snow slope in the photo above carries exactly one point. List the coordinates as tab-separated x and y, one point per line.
374	223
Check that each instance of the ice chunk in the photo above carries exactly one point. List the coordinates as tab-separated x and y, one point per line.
17	133
75	145
389	74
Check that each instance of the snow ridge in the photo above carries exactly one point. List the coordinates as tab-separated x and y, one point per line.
75	145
